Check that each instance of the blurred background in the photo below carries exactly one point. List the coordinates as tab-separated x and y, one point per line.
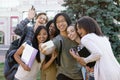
105	12
13	11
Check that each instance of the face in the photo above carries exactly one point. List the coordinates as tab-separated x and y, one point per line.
42	36
41	19
52	29
61	23
72	32
81	31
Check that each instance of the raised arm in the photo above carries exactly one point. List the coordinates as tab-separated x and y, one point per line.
20	28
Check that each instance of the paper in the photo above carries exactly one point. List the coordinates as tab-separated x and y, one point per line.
48	47
48	44
29	54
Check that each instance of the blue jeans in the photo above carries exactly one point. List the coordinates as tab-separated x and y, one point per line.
91	78
16	79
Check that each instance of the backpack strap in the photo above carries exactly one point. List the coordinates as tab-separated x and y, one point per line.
21	40
59	55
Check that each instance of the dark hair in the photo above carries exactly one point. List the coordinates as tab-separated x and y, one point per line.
48	25
67	18
42	13
89	25
35	41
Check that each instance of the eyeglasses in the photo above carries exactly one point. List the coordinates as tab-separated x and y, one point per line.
61	21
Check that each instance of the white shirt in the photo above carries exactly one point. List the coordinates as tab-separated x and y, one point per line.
22	74
106	67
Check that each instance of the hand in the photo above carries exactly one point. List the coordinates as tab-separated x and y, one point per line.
81	61
31	14
42	48
77	57
89	69
74	54
25	67
36	25
54	55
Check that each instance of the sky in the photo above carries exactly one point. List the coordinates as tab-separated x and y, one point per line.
8	3
14	3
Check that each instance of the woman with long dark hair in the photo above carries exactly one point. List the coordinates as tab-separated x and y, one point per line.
24	72
106	67
48	69
67	68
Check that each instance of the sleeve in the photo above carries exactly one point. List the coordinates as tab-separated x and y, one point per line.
20	28
93	48
56	42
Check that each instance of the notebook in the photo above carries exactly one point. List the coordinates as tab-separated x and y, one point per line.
29	54
83	52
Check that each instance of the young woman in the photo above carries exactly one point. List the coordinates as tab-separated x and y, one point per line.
53	31
106	67
68	68
48	70
24	72
74	36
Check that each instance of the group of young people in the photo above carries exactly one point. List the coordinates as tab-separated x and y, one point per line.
61	62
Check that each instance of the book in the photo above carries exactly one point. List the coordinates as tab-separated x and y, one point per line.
29	54
84	52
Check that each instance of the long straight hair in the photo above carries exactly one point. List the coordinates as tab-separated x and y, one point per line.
48	25
67	18
35	43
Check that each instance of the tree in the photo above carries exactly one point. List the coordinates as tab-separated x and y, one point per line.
105	12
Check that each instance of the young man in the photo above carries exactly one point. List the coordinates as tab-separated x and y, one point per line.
23	29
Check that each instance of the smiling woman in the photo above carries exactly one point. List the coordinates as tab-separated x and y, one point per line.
5	4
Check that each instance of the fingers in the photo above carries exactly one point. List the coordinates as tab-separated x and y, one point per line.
26	67
32	8
31	14
42	47
54	54
72	51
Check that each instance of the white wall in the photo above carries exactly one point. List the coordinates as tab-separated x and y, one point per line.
51	7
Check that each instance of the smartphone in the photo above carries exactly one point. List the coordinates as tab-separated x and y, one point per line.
32	7
74	49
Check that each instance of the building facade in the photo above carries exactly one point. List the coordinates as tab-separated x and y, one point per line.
13	12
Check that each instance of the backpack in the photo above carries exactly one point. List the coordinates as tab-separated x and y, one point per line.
10	65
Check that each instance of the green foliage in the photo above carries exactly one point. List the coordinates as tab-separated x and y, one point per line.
1	71
105	12
2	76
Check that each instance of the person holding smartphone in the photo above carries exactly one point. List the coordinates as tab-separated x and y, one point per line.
22	28
80	51
67	67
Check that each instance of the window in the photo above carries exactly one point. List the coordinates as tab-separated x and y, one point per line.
1	37
14	22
